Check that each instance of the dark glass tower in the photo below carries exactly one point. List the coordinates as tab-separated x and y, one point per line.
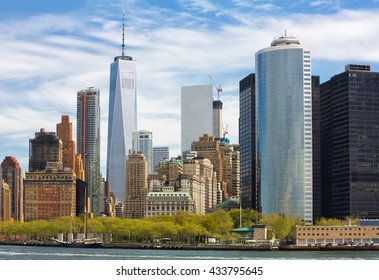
316	153
249	188
350	144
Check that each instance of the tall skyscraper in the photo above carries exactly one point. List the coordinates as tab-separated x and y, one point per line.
160	153
88	141
45	147
136	186
217	119
64	132
197	114
316	147
350	143
143	143
249	189
122	120
284	127
12	175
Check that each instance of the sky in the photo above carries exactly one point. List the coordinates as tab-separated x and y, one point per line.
50	50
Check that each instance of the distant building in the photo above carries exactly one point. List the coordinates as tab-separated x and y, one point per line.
167	201
64	132
143	143
250	187
196	114
170	169
217	119
334	235
136	186
5	202
160	153
207	147
12	175
350	144
200	180
88	141
50	193
45	147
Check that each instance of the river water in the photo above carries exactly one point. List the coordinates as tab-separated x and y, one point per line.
8	252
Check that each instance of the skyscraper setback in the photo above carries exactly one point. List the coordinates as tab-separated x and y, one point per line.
88	141
122	120
284	127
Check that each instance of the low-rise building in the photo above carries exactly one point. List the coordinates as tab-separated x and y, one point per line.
334	235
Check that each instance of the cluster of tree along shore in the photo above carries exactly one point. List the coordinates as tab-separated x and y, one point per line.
183	227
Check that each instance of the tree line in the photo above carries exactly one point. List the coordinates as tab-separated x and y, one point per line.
182	227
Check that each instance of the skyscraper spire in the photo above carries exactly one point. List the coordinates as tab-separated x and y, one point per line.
123	34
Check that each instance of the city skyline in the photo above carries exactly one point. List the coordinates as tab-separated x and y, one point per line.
175	44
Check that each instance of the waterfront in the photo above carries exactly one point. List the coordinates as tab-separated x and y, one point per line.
11	252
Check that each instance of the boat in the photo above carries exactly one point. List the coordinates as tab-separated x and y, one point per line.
79	242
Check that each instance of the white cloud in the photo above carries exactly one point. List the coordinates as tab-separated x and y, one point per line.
46	59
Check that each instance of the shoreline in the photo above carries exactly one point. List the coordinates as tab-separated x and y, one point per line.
207	247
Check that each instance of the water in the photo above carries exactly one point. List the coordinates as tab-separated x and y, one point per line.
8	252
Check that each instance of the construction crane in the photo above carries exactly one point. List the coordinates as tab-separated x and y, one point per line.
224	131
219	89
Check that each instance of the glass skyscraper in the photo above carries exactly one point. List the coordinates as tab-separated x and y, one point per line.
122	121
349	105
249	188
284	128
88	141
143	143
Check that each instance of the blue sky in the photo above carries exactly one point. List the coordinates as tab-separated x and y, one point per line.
49	50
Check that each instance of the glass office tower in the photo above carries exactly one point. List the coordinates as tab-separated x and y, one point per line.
122	121
284	128
88	142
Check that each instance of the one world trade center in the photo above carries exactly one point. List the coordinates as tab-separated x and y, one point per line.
122	120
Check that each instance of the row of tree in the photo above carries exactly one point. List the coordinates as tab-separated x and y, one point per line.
182	227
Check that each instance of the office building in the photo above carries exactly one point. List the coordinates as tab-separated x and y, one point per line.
196	114
284	128
136	186
50	193
350	144
88	141
160	153
217	119
143	143
5	202
207	147
170	169
64	132
316	147
122	120
12	175
45	147
249	188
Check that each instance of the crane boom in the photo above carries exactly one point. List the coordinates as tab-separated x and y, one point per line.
218	89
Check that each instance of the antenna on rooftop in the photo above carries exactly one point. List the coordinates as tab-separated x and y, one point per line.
123	34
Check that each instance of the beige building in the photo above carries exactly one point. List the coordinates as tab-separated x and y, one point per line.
203	169
136	186
226	163
168	202
231	169
50	193
305	235
170	169
5	202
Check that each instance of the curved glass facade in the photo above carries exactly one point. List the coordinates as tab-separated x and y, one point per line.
284	129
